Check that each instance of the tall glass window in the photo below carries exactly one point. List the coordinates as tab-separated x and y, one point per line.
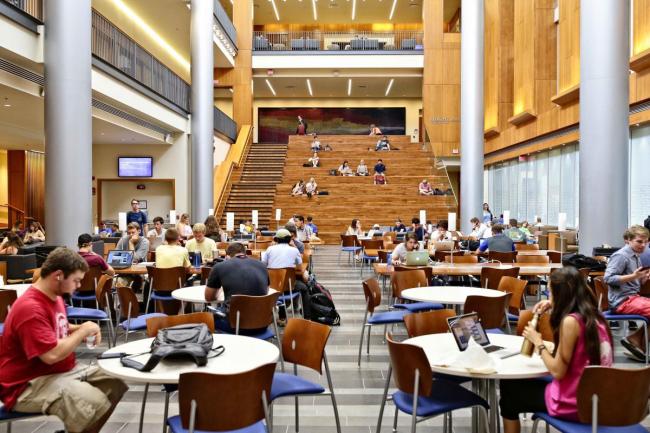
639	179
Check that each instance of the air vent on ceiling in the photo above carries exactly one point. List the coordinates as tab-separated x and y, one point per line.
290	87
363	87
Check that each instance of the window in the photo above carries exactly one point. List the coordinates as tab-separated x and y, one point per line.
639	179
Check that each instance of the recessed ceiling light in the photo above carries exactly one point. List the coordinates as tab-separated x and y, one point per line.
313	9
392	10
309	87
268	83
349	86
6	103
390	85
354	9
275	9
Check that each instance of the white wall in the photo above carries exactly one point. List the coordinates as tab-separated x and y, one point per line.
412	105
221	148
117	196
169	162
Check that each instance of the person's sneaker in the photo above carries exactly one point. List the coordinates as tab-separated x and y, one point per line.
635	351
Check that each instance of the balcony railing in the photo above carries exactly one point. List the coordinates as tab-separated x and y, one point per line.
223	20
30	7
114	47
400	40
224	124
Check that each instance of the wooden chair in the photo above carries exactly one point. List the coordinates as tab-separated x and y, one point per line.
108	247
502	257
284	280
7	298
418	395
372	293
459	258
428	322
526	247
350	245
492	311
537	260
243	401
516	288
554	256
205	274
86	291
441	255
370	251
607	396
163	281
255	312
383	256
3	271
129	317
102	312
491	277
304	344
410	279
428	271
543	326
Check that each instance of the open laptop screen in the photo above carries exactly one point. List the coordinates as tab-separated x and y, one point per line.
120	259
465	327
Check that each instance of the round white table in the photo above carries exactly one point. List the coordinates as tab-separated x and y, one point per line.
448	295
195	294
19	288
441	347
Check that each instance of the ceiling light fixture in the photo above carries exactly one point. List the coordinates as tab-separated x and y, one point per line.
151	33
268	83
313	8
309	87
392	10
275	9
390	85
6	103
354	9
349	86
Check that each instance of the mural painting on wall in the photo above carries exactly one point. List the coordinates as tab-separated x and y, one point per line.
276	124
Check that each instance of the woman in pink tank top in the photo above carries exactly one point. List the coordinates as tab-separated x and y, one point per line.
581	338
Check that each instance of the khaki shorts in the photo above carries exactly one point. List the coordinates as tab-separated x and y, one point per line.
79	397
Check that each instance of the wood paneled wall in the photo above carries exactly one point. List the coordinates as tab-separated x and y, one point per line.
35	190
641	26
569	45
524	59
17	183
242	75
441	82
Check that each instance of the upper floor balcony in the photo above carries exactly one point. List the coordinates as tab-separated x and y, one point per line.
338	42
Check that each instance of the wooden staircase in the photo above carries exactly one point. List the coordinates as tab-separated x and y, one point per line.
357	197
254	183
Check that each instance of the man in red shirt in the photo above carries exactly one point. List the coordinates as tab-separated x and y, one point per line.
85	244
38	371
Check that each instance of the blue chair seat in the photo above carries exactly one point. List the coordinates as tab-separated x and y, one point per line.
265	335
78	297
85	313
288	297
576	427
288	384
387	317
416	307
354	249
2	328
139	322
176	426
159	297
613	316
445	397
9	415
513	317
170	387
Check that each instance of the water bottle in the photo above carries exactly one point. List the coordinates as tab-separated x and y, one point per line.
197	260
527	348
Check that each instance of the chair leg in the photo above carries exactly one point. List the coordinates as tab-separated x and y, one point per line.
368	340
166	410
383	399
333	397
144	403
9	427
295	400
395	420
363	329
535	423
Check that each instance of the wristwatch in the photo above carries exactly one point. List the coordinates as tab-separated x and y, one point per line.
541	348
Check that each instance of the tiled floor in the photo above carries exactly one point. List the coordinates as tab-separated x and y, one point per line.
358	390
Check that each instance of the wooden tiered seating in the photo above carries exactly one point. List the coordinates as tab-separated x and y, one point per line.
357	197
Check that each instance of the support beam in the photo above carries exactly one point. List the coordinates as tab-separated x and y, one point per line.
202	16
68	121
604	131
242	77
471	112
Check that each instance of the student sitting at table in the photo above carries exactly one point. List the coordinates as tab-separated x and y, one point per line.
410	243
514	232
498	241
34	233
156	236
11	244
172	254
38	369
201	243
399	226
85	244
581	338
236	275
442	232
282	254
133	241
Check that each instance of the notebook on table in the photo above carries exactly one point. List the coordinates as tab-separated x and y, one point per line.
469	326
119	259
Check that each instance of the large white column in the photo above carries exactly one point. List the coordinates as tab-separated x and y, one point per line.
471	112
68	121
202	19
604	129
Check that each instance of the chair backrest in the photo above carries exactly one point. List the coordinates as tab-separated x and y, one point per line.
372	244
428	271
383	256
554	256
405	360
128	300
108	247
7	298
303	343
543	326
98	247
90	279
526	247
156	323
349	241
468	259
585	272
622	395
222	245
503	257
427	322
276	278
491	310
515	287
103	291
239	396
602	291
541	260
35	276
289	279
166	279
491	277
262	245
205	273
408	279
372	293
253	312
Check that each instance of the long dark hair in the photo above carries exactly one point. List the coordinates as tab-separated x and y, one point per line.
572	295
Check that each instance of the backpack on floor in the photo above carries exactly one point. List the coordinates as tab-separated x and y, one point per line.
318	305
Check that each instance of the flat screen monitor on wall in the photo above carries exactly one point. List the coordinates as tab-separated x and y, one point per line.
135	166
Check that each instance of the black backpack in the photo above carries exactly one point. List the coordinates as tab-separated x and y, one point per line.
193	341
319	306
581	261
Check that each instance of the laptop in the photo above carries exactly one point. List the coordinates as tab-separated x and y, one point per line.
120	259
443	245
417	258
469	326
